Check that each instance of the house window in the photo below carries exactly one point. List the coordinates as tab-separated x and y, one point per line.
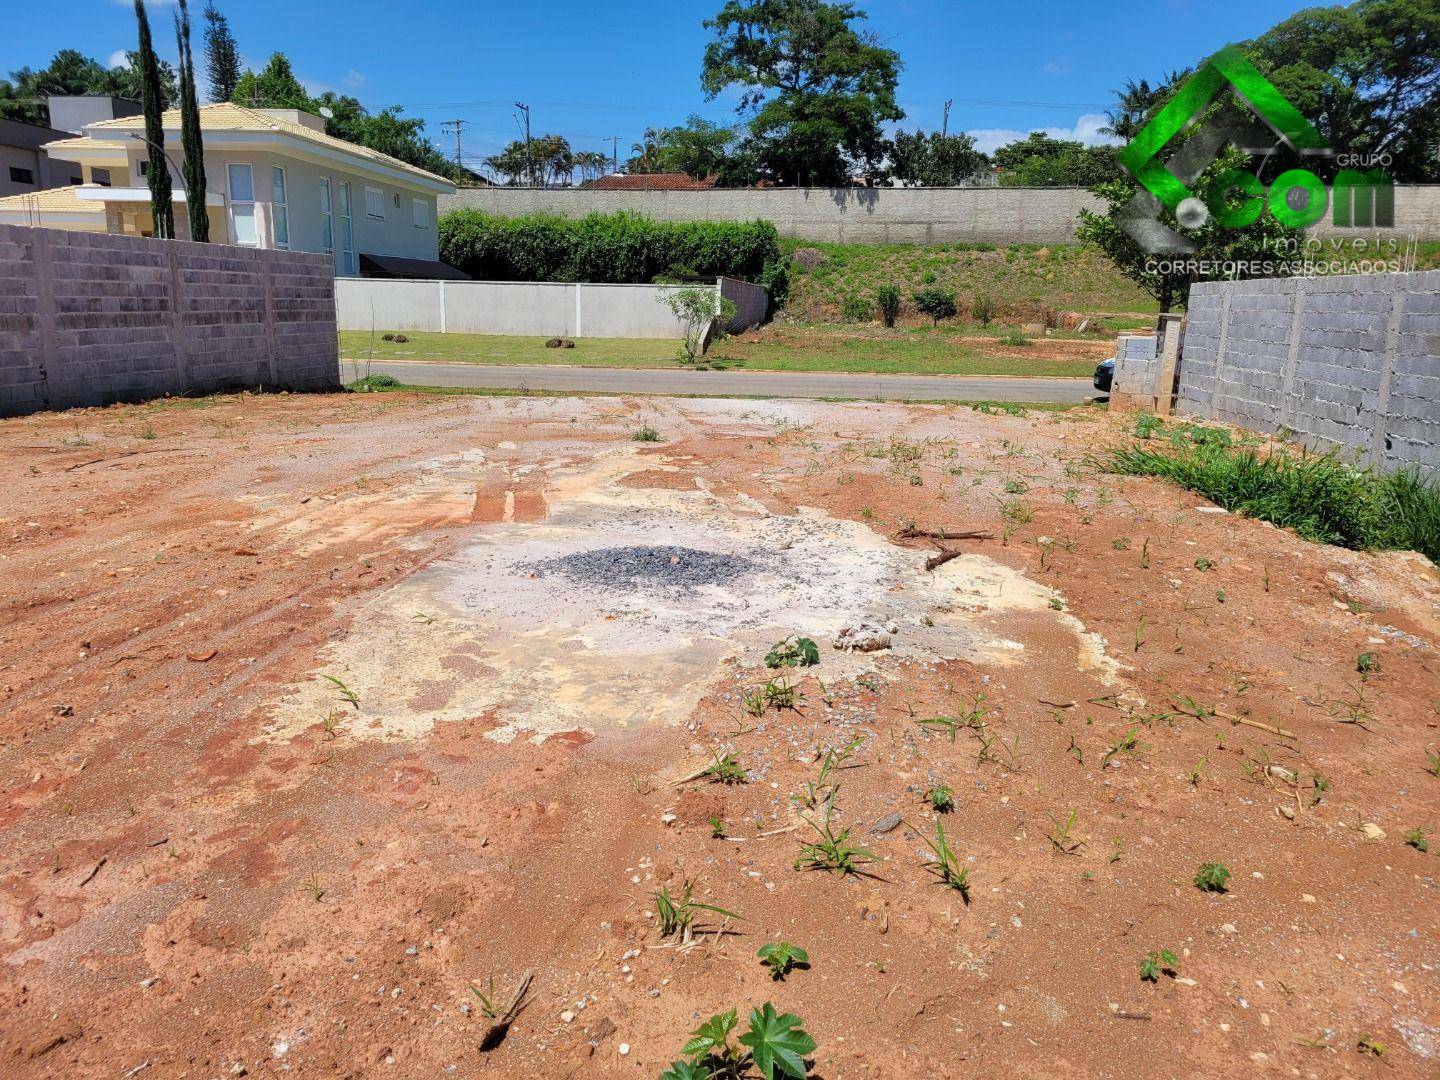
100	176
375	203
327	217
241	181
77	179
278	208
420	213
21	176
347	232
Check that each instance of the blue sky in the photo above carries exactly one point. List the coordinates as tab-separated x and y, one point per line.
591	70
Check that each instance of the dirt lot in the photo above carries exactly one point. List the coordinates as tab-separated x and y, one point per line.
212	863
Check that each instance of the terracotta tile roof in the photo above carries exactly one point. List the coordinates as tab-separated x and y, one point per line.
51	200
652	182
229	117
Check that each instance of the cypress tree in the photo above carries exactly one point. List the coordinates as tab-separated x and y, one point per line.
193	168
152	103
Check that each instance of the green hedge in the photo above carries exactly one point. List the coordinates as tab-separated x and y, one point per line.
623	248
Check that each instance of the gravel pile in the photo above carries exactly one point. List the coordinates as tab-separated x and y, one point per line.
665	568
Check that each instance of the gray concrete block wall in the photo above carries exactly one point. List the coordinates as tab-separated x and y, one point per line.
1350	363
884	215
752	303
91	319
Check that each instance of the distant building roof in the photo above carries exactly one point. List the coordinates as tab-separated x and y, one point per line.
27	136
651	182
225	116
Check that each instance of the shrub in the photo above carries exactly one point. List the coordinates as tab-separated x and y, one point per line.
888	299
372	383
1014	337
620	248
982	309
808	258
937	303
856	309
696	309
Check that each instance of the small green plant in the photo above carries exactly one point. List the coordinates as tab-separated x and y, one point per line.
941	799
833	850
1203	564
1162	961
793	652
1121	543
1014	338
753	702
1416	838
982	309
776	1044
717	828
1367	1045
946	864
1432	762
780	694
856	308
645	433
1367	664
345	691
973	717
937	303
1061	835
1128	743
781	956
887	299
1016	487
676	915
701	316
1147	425
310	885
1211	877
725	769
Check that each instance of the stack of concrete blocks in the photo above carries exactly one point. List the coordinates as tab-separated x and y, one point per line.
1350	363
91	319
1137	367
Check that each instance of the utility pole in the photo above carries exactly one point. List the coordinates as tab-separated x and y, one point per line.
457	126
614	152
529	166
945	122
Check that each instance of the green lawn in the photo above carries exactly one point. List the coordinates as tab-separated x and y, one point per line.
939	353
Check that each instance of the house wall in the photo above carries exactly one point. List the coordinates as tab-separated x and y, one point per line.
1349	362
879	215
94	318
393	235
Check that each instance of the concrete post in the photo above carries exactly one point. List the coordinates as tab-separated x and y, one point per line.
1292	354
45	317
178	323
1387	363
1220	353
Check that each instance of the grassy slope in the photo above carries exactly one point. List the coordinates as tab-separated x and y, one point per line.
1066	277
932	353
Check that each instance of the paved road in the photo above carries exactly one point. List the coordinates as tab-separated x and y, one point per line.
737	383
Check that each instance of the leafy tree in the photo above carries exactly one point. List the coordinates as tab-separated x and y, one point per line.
934	160
1040	161
193	167
592	164
1367	76
1263	241
22	96
547	159
162	210
817	89
698	148
272	87
1137	102
222	55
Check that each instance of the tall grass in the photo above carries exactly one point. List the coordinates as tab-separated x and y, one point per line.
1319	496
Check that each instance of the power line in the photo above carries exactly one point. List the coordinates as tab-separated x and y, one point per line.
457	126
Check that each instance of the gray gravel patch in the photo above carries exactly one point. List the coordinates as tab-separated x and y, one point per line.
665	568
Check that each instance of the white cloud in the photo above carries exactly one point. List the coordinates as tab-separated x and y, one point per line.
353	79
117	59
1057	67
1086	130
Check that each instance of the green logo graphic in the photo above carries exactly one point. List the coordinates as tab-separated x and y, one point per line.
1297	197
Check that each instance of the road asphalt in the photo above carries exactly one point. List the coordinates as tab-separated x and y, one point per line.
781	384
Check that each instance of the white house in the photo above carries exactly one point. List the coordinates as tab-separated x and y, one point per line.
275	180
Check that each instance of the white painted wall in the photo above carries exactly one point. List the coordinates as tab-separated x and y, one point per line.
525	309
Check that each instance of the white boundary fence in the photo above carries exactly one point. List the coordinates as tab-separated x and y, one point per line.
526	309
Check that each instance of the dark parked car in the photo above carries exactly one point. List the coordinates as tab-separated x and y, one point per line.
1105	375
